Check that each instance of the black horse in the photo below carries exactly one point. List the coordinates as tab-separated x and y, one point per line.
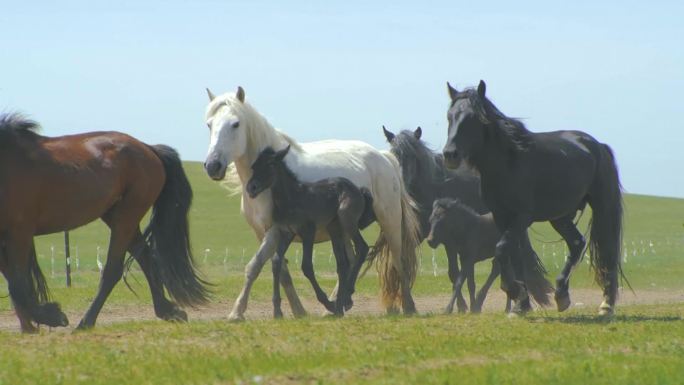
299	209
532	177
427	179
474	237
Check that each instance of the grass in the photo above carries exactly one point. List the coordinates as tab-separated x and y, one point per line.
643	344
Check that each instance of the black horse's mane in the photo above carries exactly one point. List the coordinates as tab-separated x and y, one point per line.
15	122
511	130
406	143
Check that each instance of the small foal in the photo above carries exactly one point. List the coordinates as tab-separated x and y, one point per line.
334	205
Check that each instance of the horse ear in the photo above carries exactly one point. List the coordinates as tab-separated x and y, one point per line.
280	155
418	133
388	134
481	89
210	94
452	91
240	94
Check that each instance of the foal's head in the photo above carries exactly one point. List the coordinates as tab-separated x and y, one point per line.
449	220
265	170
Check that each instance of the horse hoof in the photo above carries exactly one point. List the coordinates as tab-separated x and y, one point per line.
348	305
277	314
605	310
513	315
562	301
176	315
475	310
82	326
51	314
29	329
236	318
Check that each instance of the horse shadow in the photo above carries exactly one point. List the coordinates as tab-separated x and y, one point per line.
588	319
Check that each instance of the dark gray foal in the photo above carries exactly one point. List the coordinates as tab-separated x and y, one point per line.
334	205
474	238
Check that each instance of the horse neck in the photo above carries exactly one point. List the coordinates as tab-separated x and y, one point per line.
286	187
465	220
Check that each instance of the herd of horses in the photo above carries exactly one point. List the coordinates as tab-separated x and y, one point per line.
478	197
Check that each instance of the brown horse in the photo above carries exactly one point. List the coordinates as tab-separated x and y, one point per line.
49	185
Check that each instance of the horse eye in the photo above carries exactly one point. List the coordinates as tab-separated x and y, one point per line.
236	124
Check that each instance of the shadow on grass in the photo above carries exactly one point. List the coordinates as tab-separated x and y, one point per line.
595	319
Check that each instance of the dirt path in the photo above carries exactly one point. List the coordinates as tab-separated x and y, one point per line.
363	306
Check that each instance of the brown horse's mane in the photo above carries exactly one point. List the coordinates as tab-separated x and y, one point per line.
15	124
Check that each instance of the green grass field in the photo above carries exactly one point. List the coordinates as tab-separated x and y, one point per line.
643	344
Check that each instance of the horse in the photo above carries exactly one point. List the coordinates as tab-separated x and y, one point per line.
54	184
299	209
474	237
238	133
427	179
531	177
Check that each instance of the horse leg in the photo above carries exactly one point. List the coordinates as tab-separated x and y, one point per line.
457	295
482	294
276	268
163	307
342	262
452	258
506	248
361	248
25	320
307	234
17	269
469	268
123	226
576	243
252	270
292	297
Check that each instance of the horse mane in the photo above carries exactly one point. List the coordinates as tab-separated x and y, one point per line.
451	204
17	123
405	142
511	131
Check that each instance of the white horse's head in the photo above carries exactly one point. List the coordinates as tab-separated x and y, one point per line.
228	127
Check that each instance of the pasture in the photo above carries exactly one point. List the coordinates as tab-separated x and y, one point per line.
644	343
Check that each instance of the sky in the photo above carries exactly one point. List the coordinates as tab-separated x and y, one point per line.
342	69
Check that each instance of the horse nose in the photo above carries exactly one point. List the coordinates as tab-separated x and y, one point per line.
212	167
450	153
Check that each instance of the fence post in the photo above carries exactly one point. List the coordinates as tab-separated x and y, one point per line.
68	258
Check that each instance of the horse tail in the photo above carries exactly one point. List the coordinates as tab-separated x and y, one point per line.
40	287
390	278
534	276
368	216
605	243
168	236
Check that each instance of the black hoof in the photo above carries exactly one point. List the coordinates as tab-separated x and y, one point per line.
562	301
176	315
51	314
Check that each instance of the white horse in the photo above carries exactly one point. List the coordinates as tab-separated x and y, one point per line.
238	133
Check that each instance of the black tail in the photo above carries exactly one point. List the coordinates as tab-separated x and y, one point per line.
40	287
534	275
605	243
168	237
368	215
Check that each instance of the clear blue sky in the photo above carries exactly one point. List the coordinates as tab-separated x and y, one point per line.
322	70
